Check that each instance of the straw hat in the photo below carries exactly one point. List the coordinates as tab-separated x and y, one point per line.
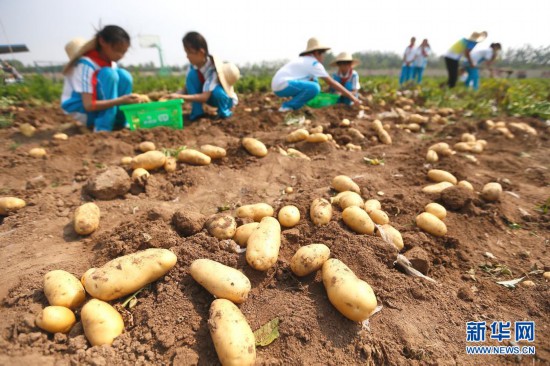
344	56
477	37
228	74
76	48
313	44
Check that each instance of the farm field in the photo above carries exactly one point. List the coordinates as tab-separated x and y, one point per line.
421	321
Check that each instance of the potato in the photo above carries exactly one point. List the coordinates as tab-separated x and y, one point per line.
336	199
297	135
126	160
466	184
309	259
358	220
392	235
220	280
150	160
37	152
263	244
289	216
467	137
255	211
27	129
437	188
320	211
243	233
345	122
491	191
317	137
221	226
10	204
171	164
442	149
297	154
254	147
463	147
86	218
383	136
351	296
431	156
193	157
438	175
55	319
436	209
231	334
60	136
138	173
147	146
344	183
483	143
349	198
63	289
101	322
379	217
417	118
371	205
431	224
127	274
215	152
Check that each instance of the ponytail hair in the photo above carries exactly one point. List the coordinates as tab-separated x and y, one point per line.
113	34
195	41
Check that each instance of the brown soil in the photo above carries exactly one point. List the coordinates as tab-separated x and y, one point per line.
421	322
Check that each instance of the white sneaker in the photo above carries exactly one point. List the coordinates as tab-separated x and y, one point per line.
285	109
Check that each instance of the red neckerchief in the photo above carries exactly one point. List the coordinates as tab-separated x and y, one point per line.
201	76
101	62
346	78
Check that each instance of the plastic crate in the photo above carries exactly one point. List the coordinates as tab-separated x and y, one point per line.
323	100
154	114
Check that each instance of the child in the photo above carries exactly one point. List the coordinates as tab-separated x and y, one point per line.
208	80
420	61
487	56
463	47
94	86
298	78
346	75
408	57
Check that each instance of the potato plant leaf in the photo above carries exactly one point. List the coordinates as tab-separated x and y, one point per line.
267	333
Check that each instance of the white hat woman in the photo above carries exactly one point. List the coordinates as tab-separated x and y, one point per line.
463	47
346	75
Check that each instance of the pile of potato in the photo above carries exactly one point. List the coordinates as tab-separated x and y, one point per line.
505	127
444	180
431	221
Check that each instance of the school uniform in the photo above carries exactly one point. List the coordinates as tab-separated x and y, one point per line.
478	58
406	69
350	82
419	63
453	56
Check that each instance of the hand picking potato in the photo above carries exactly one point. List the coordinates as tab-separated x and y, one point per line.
55	319
437	210
491	191
317	137
255	211
349	198
431	224
437	188
243	233
215	152
193	157
254	147
344	183
231	334
289	216
358	220
221	226
63	289
220	280
37	152
86	218
10	204
297	135
127	274
147	146
101	322
379	217
351	296
150	160
320	211
466	184
391	234
371	205
138	173
171	164
263	244
438	175
309	259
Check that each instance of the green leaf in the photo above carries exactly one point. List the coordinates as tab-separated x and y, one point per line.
267	333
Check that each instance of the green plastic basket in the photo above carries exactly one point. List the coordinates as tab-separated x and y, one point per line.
154	114
323	100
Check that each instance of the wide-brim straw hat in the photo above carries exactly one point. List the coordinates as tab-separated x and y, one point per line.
76	48
344	57
477	36
228	75
313	44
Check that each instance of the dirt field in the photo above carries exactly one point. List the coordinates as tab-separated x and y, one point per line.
421	323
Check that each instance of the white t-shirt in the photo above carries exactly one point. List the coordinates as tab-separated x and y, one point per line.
409	54
79	78
303	68
419	59
211	79
480	56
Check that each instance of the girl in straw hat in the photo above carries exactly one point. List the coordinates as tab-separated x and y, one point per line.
346	75
94	86
408	58
420	61
463	47
298	78
208	80
481	57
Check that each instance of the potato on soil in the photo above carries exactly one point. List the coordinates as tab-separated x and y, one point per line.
431	156
254	147
491	191
391	234
126	160
55	319
215	152
243	233
309	259
193	157
317	137
343	183
379	217
466	184
63	289
86	218
349	198
437	210
263	244
431	224
101	322
372	204
171	164
358	220
255	211
437	188
289	216
37	152
138	173
147	146
297	135
320	211
221	226
220	280
150	160
60	136
10	204
27	129
438	175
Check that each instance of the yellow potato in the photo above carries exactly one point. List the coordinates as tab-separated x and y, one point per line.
345	122
37	152
316	129
127	274
215	152
431	156
86	218
351	296
60	136
298	135
147	146
150	160
379	217
55	319
336	199
320	211
243	233
10	204
221	226
491	191
344	183
193	157
255	211
220	280
417	118
467	137
438	175
254	147
297	154
466	184
126	160
27	129
63	289
392	235
383	135
309	259
437	210
101	322
263	244
231	334
358	220
138	173
371	205
171	164
442	149
431	224
437	188
462	146
317	137
483	143
289	216
349	198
